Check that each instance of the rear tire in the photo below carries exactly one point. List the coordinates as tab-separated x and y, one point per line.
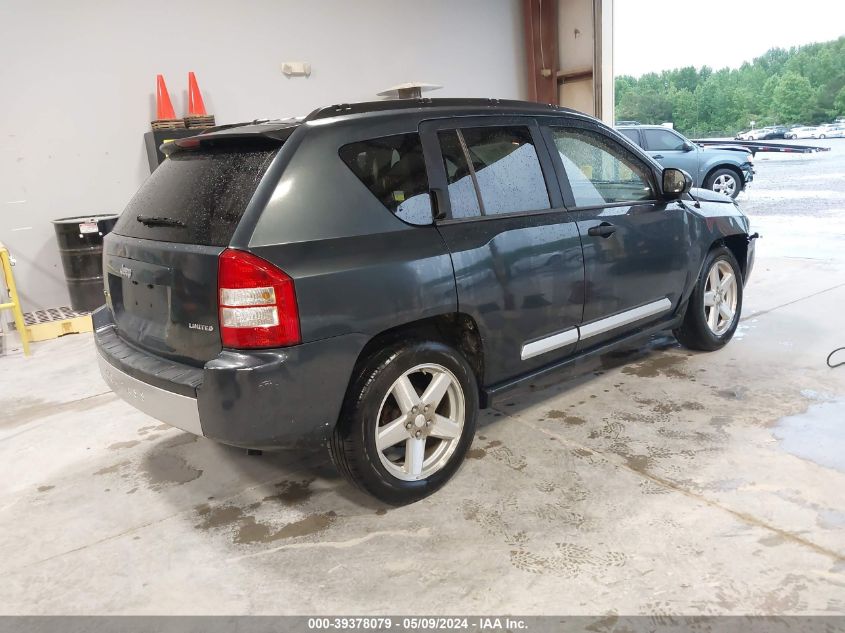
725	181
717	296
407	422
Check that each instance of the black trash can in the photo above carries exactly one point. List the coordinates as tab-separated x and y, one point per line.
81	247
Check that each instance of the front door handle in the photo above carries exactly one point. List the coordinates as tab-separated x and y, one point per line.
657	156
605	229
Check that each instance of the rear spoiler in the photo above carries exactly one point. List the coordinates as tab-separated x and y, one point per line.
753	147
252	131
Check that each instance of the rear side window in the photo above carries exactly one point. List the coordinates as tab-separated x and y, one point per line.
196	196
632	135
506	168
393	169
462	195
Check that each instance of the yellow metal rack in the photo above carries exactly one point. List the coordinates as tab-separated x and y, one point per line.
42	325
14	305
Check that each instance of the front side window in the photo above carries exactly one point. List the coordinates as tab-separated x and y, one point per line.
393	169
599	170
663	140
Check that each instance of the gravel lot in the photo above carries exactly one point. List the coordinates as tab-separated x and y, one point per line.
799	184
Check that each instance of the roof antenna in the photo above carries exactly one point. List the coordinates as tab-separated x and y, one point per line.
410	90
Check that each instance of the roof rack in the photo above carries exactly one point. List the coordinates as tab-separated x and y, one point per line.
343	109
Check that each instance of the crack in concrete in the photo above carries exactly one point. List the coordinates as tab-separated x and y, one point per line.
789	303
424	531
742	516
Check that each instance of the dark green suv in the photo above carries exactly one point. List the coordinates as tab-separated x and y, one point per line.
368	277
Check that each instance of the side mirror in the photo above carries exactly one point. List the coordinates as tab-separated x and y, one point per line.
688	147
676	182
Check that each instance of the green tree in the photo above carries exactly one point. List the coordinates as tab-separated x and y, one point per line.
624	84
793	98
839	102
798	85
685	111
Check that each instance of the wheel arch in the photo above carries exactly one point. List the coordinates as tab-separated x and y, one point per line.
734	168
456	329
737	244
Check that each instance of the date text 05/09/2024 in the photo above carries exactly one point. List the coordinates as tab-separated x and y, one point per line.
417	624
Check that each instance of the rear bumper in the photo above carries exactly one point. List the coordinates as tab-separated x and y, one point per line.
280	398
173	408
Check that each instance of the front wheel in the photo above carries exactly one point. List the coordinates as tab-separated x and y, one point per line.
715	305
822	136
725	181
407	422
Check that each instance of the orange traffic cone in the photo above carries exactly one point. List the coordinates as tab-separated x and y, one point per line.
164	109
197	116
165	115
195	105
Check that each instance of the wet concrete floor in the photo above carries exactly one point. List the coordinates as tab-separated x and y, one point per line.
655	481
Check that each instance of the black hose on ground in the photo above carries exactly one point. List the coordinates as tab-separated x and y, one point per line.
829	356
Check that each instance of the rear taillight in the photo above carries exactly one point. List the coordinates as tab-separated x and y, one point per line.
257	302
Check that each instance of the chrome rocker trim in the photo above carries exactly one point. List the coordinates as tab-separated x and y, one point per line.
573	335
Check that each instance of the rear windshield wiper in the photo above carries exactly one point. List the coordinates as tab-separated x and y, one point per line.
152	220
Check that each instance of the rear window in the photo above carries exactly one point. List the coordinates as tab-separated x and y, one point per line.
197	196
393	169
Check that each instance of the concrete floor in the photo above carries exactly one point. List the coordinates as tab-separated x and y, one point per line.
659	481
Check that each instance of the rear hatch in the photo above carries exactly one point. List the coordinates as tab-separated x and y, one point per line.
161	259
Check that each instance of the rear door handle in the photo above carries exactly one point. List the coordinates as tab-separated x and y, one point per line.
605	229
657	156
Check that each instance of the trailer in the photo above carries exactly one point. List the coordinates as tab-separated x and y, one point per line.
760	146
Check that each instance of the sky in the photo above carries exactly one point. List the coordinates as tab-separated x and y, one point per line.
655	35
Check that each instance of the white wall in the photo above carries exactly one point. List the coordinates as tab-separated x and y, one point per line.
576	52
78	82
575	33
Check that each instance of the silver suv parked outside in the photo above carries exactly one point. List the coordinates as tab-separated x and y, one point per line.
724	170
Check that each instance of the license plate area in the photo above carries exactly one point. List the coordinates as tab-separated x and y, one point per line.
139	289
146	300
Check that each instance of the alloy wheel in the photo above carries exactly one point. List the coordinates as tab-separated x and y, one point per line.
725	183
720	297
420	422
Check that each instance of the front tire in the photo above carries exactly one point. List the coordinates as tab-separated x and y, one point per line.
407	422
715	305
725	181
